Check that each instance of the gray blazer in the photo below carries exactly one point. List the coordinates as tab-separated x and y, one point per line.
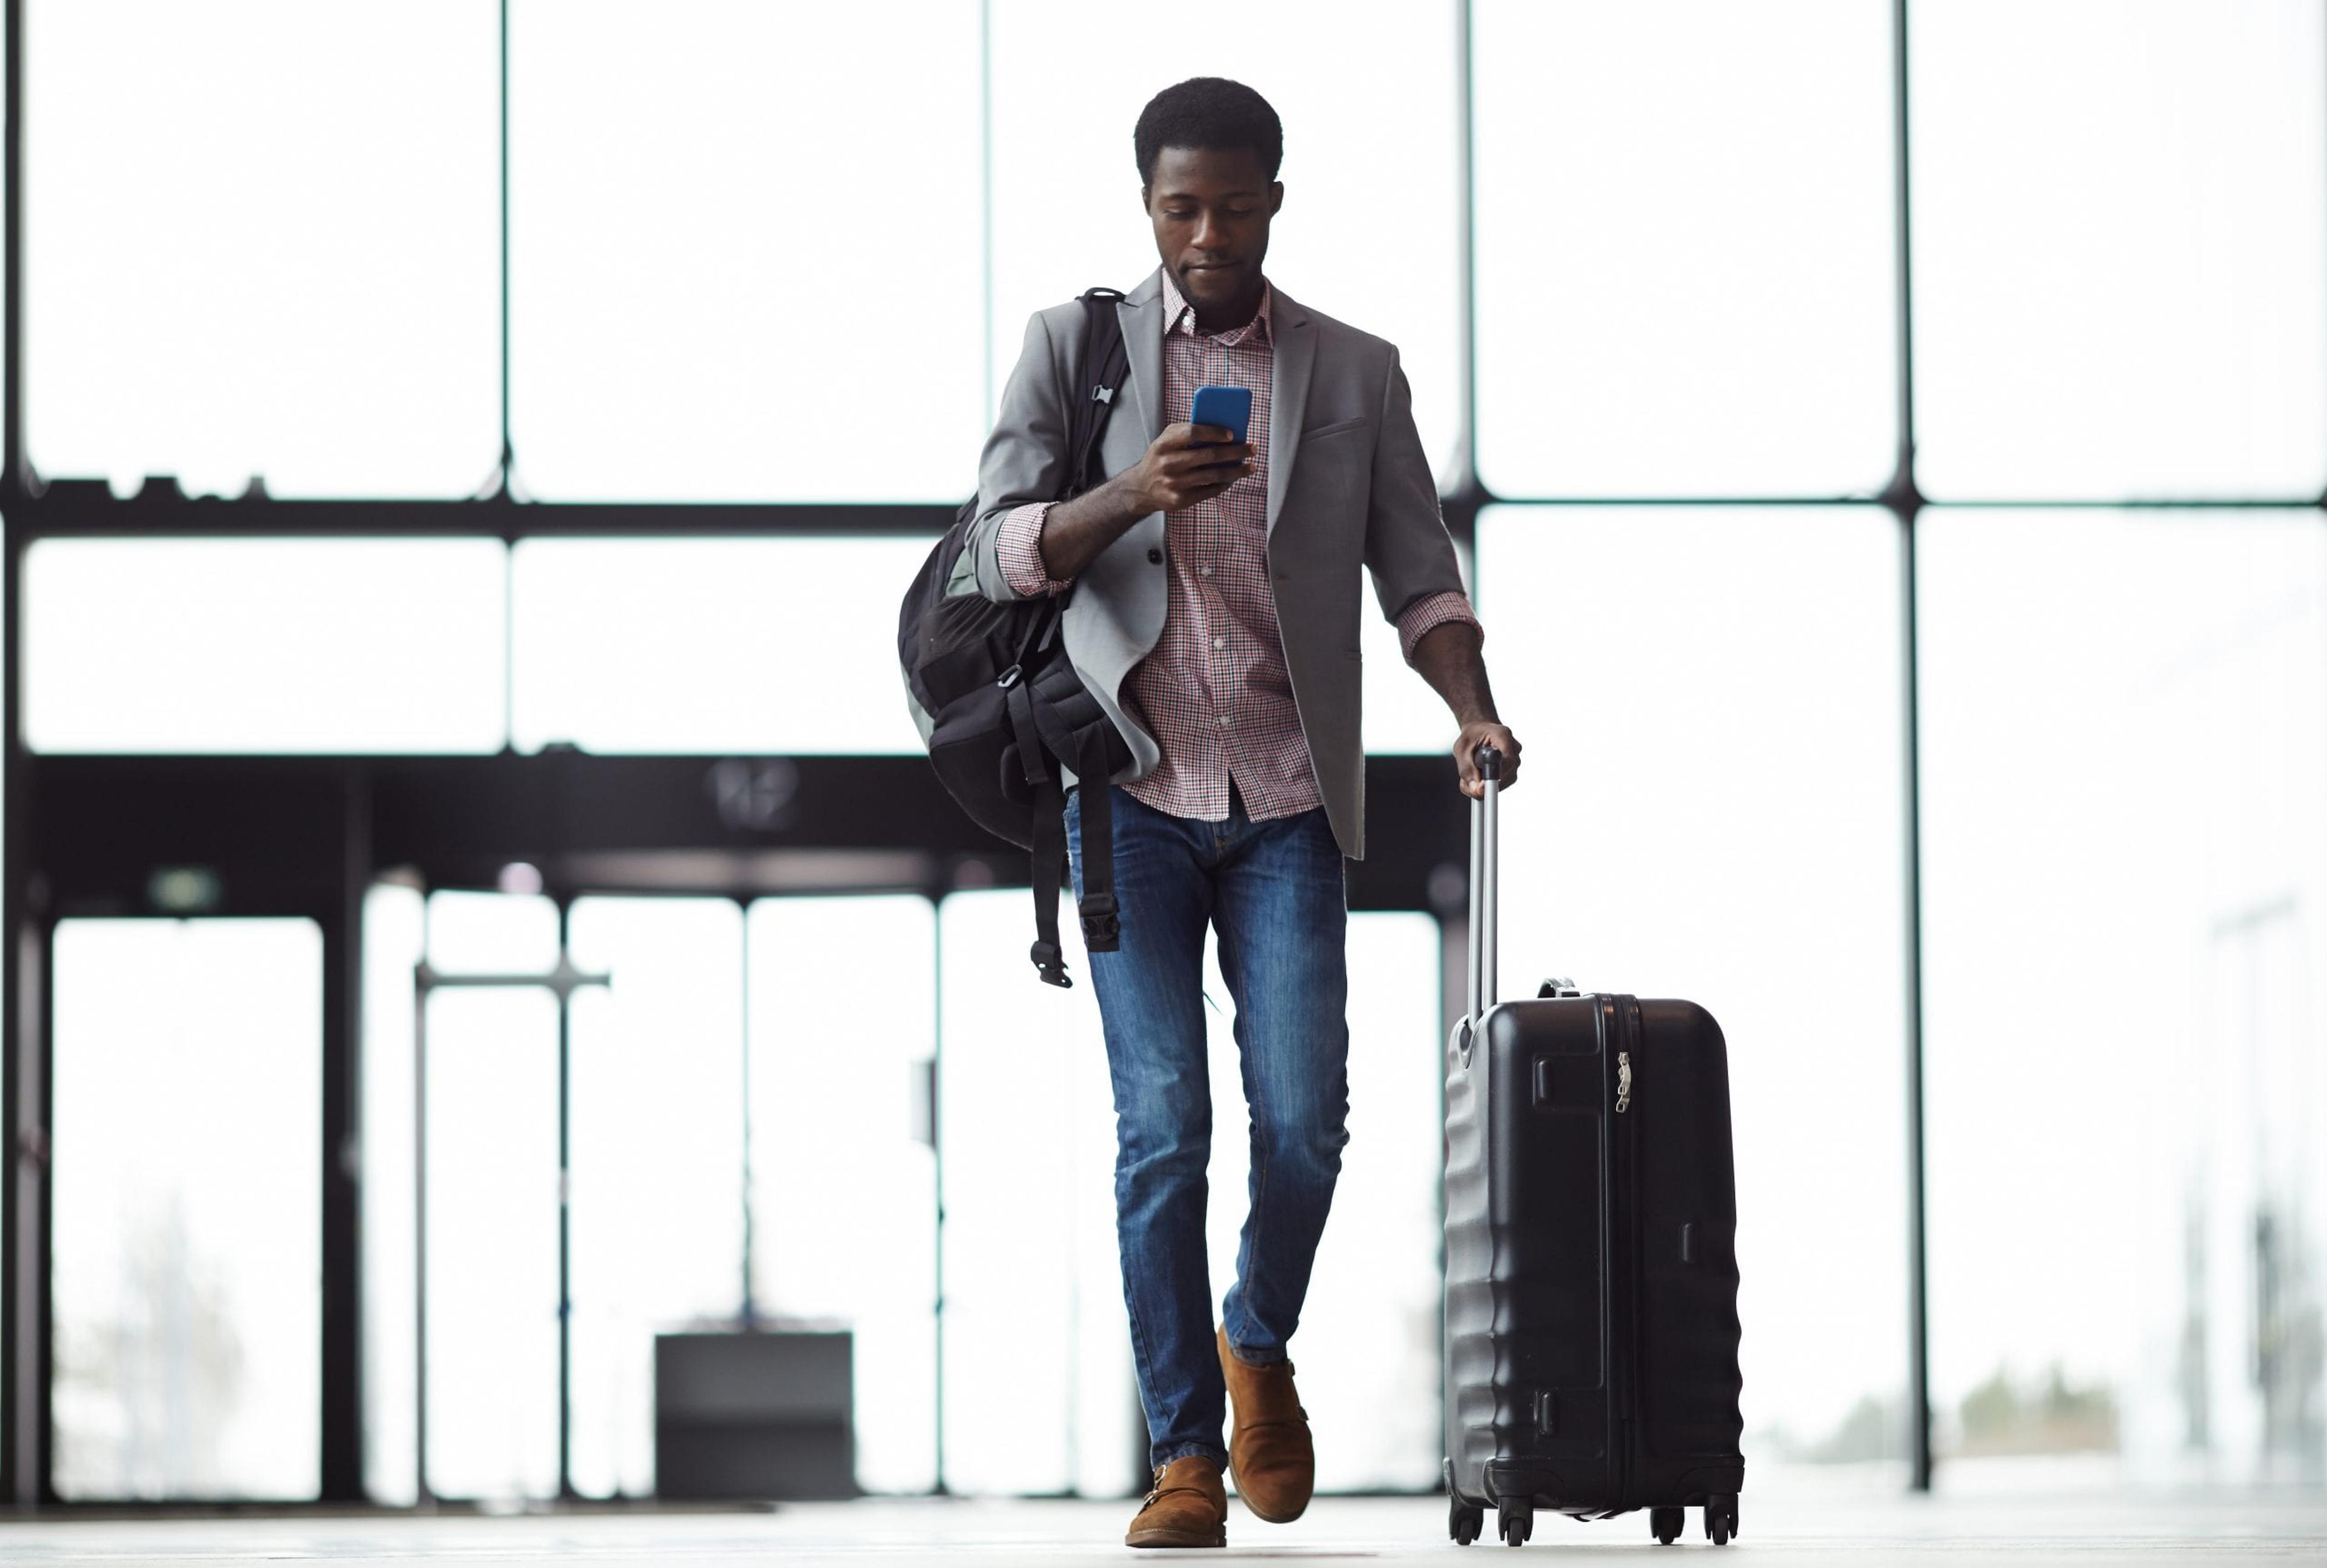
1348	484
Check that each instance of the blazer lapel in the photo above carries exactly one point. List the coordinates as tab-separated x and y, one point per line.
1295	343
1141	314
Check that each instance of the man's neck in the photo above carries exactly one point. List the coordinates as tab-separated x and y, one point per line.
1223	319
1227	318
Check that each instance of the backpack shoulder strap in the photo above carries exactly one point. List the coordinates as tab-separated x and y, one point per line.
1101	370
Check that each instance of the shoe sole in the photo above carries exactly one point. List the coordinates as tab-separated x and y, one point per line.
1253	1509
1219	1538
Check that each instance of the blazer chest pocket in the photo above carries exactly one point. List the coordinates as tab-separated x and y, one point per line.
1318	432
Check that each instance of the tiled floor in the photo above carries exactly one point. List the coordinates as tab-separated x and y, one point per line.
2090	1531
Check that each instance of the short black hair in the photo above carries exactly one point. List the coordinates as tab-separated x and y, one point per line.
1210	112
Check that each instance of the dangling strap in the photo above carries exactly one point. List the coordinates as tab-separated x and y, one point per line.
1102	927
1050	860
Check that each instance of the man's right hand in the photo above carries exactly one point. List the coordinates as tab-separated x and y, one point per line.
1188	463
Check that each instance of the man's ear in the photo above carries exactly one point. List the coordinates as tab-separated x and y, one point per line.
1276	196
1144	189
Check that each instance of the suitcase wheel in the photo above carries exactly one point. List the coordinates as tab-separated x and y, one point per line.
1721	1518
1665	1523
1464	1522
1517	1521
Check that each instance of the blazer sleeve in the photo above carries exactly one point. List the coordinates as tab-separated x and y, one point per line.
1025	460
1408	549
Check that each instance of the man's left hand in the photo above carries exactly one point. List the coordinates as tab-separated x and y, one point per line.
1486	732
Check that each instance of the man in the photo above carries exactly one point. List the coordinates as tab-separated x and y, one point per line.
1216	618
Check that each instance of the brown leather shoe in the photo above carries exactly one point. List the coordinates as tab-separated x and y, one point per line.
1269	1453
1186	1507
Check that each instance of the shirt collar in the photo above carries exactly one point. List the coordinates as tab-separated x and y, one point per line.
1179	316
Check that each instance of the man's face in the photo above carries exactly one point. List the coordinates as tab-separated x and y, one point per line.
1211	212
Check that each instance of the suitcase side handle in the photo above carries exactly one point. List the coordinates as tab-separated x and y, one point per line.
1485	846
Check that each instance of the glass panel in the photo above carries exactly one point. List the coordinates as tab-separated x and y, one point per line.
735	236
1039	1390
491	1365
2121	248
188	1224
472	933
2125	747
393	936
1066	186
1710	698
265	645
657	1161
694	646
262	237
1685	254
1368	1351
836	1105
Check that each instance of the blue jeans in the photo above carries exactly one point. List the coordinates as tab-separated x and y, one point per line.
1274	891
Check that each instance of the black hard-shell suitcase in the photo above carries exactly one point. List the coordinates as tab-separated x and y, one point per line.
1591	1252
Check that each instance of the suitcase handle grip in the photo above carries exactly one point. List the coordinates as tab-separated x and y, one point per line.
1484	848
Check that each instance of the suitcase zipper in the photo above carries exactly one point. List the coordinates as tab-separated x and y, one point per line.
1625	1220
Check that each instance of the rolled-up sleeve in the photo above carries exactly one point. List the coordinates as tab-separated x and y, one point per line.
1425	615
1018	546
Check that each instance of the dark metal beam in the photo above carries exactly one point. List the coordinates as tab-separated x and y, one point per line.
341	918
23	1276
13	464
1906	501
87	508
275	827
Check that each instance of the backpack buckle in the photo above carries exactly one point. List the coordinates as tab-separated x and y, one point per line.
1102	931
1008	677
1053	964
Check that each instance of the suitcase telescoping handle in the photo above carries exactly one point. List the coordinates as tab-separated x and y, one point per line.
1483	849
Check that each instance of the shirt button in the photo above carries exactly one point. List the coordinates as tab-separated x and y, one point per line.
1219	642
1206	569
1224	721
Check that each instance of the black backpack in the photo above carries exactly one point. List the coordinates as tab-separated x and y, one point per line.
1002	704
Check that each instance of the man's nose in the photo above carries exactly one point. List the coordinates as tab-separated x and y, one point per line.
1211	234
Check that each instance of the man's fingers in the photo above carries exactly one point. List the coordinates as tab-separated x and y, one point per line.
1466	760
1179	437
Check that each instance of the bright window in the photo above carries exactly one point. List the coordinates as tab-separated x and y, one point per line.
745	250
1684	240
2120	242
1026	1119
265	645
838	1105
188	1129
262	238
696	646
657	1160
2125	749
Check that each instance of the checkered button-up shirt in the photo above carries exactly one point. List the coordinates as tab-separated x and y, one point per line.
1214	691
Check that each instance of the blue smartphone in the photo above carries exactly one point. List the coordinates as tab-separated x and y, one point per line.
1229	407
